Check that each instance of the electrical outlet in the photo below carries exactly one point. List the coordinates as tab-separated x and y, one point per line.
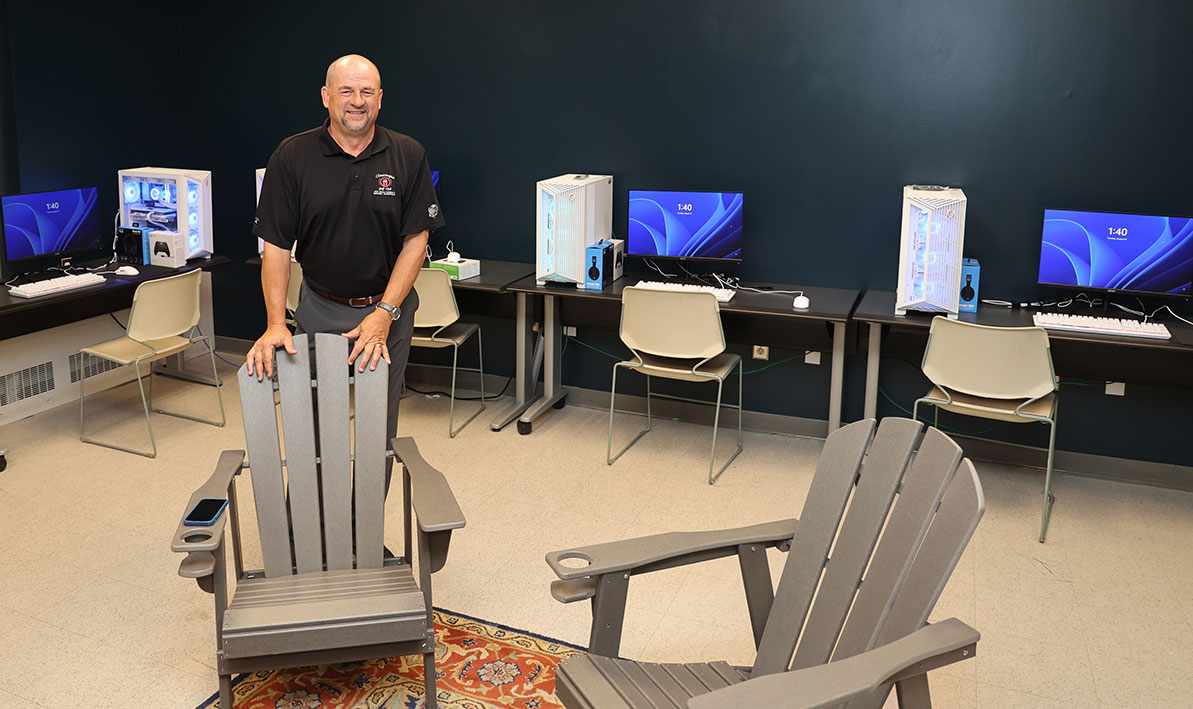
1116	388
761	352
569	330
812	357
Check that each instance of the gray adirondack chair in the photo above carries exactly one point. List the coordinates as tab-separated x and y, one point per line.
881	531
329	592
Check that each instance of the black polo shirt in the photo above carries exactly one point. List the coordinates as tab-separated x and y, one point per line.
348	214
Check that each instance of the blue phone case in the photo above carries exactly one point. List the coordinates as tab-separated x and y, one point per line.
208	522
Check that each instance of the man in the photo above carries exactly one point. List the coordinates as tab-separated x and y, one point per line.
358	201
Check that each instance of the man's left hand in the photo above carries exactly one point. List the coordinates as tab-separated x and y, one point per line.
370	335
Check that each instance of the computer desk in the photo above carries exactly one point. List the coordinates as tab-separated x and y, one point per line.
757	318
1139	360
21	316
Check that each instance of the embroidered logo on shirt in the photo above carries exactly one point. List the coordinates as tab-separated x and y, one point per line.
385	185
433	211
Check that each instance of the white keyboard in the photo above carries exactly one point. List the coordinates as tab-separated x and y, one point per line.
1101	325
724	295
56	285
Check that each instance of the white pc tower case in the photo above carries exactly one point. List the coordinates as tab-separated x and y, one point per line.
261	242
170	200
572	212
932	237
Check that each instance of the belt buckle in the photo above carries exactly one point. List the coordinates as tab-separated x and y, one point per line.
360	302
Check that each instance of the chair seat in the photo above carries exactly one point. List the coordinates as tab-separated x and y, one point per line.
454	334
291	613
718	367
592	680
126	350
997	409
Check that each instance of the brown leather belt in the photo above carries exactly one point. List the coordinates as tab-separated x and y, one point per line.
354	302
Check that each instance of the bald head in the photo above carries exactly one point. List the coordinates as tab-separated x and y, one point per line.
352	96
351	64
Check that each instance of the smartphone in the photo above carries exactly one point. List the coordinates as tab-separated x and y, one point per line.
205	511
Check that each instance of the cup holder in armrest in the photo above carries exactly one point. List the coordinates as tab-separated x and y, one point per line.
197	536
574	560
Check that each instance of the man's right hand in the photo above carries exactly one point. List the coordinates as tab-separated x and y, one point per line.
260	357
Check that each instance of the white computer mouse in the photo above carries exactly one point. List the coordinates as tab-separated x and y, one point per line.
801	302
453	257
126	271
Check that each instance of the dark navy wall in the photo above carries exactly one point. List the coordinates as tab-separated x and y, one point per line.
819	110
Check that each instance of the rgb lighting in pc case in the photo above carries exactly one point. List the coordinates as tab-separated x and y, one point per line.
931	240
171	200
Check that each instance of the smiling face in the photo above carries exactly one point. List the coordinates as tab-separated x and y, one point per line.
352	95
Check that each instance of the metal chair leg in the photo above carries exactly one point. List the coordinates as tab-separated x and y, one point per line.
218	394
1049	498
609	457
712	478
152	453
451	431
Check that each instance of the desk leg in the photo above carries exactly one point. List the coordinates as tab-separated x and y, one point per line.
553	392
836	383
526	366
175	366
872	358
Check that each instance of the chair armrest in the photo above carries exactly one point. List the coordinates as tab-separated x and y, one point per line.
662	551
828	685
190	539
435	506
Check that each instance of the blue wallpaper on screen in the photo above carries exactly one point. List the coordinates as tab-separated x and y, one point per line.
45	223
1118	251
685	224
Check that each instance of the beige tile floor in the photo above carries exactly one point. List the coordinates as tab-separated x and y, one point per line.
93	614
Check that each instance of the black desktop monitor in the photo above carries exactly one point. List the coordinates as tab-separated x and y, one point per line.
697	226
46	224
1139	253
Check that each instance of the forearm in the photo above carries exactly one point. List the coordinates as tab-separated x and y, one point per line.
410	260
275	280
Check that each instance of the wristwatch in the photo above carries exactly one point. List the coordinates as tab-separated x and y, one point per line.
393	311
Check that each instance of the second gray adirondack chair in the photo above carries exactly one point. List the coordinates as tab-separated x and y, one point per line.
882	529
328	592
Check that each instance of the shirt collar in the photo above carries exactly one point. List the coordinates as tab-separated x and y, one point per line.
331	147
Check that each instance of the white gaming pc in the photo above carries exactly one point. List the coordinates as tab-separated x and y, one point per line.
572	212
932	237
169	200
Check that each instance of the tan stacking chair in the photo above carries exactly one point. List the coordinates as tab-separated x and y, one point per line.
329	592
999	373
676	335
882	528
437	325
163	321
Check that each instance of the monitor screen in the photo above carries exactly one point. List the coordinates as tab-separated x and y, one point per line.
685	225
47	223
1127	252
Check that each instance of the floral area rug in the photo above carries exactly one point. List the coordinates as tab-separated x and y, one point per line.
478	665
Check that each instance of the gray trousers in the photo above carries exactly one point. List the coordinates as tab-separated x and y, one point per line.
318	314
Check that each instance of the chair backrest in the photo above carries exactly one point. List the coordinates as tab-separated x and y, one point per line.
436	301
165	306
294	286
305	509
897	519
993	362
671	323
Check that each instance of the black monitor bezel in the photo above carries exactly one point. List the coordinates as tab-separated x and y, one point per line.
1100	289
685	259
55	254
